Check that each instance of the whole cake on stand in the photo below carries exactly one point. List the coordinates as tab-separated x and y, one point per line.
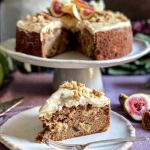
77	25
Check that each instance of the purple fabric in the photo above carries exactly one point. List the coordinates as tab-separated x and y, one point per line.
36	89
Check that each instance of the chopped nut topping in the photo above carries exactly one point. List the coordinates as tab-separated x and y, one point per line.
98	94
107	17
72	85
81	90
77	94
38	18
80	84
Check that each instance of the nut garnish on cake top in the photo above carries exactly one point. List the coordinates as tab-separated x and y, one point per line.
73	94
35	22
74	110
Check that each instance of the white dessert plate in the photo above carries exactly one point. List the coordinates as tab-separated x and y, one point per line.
74	59
19	133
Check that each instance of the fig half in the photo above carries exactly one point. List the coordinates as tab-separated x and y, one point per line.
68	9
86	13
83	4
135	105
56	8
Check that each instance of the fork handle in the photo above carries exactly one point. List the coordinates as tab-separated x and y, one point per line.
128	139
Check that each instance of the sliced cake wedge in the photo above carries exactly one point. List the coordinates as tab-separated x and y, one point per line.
72	111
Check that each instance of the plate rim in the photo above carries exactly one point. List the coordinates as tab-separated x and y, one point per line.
85	63
10	145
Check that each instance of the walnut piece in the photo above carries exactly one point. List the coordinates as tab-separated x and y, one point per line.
72	85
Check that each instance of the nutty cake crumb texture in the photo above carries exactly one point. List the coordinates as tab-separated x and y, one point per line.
74	122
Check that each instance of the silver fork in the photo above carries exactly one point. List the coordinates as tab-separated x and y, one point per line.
63	146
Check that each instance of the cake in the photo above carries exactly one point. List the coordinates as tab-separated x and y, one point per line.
99	35
41	35
146	120
74	110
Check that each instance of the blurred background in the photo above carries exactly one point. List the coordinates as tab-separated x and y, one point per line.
137	10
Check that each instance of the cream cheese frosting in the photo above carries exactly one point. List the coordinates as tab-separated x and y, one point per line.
93	27
101	21
33	23
106	20
73	94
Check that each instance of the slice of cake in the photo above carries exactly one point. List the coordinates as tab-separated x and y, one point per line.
41	35
72	111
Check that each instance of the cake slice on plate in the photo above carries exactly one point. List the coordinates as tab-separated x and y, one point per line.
72	111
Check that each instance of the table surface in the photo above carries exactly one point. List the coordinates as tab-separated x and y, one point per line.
36	88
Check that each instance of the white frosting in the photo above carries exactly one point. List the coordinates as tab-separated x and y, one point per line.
50	27
31	27
33	23
64	97
106	21
94	27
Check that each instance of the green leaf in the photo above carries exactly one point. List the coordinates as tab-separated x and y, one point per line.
143	37
1	75
129	67
5	65
113	71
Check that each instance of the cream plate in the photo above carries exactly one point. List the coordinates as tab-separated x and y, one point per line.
20	132
74	59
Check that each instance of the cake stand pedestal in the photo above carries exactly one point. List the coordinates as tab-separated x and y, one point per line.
91	77
73	65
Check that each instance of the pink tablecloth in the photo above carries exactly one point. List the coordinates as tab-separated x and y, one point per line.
36	88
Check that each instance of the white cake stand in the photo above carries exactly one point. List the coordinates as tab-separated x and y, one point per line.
73	65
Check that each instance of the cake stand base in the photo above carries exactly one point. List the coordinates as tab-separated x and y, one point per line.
91	77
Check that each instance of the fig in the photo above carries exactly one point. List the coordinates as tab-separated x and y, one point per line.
56	8
135	105
86	13
76	12
122	98
71	10
83	4
68	9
